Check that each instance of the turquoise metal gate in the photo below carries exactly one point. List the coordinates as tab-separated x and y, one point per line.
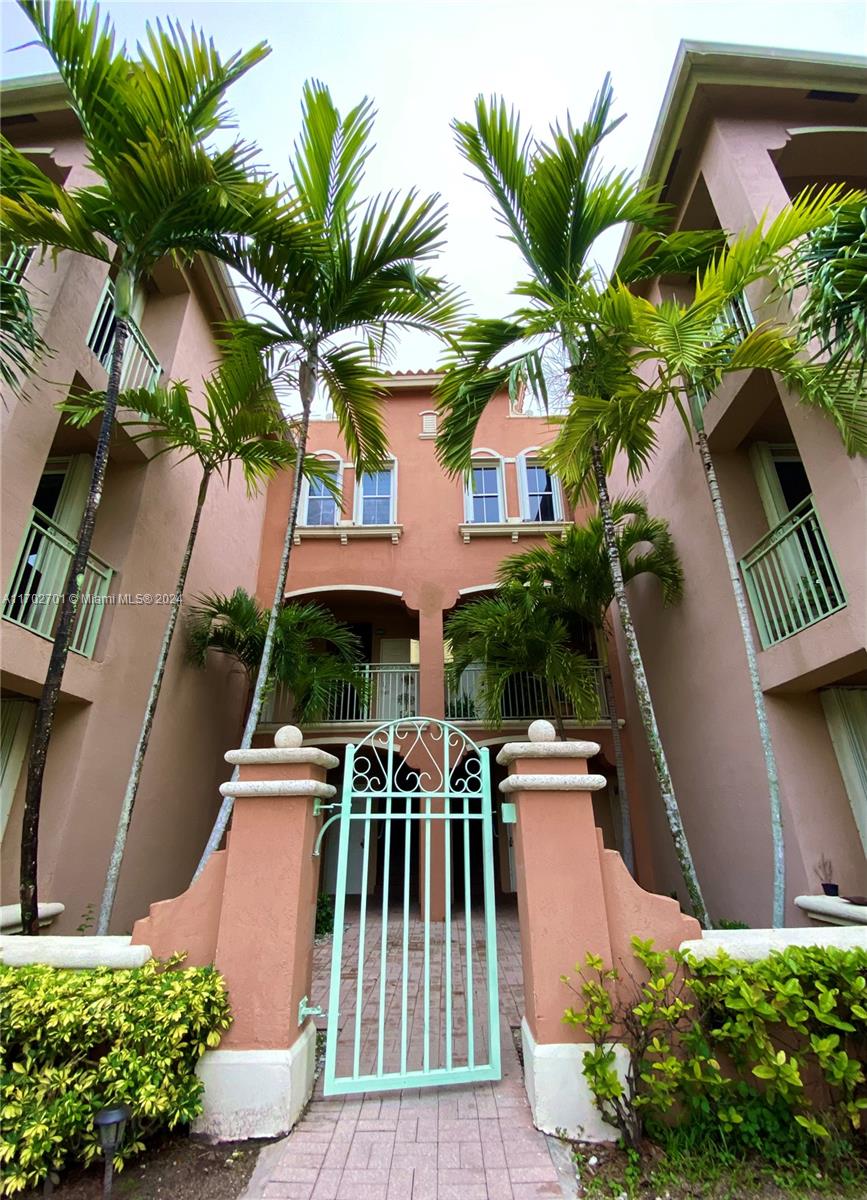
413	1001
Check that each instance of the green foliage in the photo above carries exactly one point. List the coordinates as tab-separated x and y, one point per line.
77	1041
324	915
761	1057
20	343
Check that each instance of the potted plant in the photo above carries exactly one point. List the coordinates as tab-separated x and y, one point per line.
825	873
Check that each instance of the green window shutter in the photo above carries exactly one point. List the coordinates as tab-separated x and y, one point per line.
16	721
846	714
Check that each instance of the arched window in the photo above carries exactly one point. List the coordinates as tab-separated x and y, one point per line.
485	496
541	496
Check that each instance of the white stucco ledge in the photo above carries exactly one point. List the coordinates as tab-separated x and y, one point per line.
278	787
513	750
10	915
76	953
554	783
833	910
302	754
750	945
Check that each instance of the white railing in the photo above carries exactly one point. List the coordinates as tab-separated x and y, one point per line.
390	691
791	577
141	367
525	697
39	579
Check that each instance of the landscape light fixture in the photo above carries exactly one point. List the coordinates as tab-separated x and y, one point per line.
110	1124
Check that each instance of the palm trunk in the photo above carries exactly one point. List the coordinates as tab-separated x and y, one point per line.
47	707
645	704
132	786
779	903
627	852
308	388
556	710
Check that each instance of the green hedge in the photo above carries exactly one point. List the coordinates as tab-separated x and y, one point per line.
764	1056
78	1041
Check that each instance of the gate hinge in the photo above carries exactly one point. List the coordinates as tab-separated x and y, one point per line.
508	813
319	807
306	1010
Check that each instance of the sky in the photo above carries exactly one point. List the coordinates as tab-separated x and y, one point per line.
424	61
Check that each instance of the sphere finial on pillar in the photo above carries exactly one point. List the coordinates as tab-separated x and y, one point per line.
542	731
288	737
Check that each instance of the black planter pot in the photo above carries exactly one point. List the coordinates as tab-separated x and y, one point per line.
831	889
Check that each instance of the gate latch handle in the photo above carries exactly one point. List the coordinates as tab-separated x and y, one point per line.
306	1010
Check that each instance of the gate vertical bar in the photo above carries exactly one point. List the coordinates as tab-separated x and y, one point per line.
362	923
404	985
339	922
447	869
427	830
468	917
386	864
490	913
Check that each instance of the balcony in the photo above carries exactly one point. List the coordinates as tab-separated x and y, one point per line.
525	699
141	367
791	578
39	579
736	317
391	693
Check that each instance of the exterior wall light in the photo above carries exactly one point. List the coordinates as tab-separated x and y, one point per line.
110	1124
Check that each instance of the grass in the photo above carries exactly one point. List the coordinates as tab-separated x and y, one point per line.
677	1173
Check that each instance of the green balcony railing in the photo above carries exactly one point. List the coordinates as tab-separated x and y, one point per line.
141	367
736	316
16	260
34	596
791	577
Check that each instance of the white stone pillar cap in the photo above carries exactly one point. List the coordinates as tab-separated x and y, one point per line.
288	748
543	744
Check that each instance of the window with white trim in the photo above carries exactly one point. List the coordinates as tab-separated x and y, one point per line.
321	506
540	494
485	493
376	498
429	424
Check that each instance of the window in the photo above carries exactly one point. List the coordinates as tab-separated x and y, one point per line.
540	497
428	424
321	505
376	494
484	499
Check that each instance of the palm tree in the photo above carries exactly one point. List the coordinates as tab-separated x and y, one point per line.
158	191
238	422
20	343
554	202
832	265
515	634
313	653
335	310
578	573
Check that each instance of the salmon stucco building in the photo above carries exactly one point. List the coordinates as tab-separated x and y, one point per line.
399	549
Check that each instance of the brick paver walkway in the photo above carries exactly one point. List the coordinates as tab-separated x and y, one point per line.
474	1142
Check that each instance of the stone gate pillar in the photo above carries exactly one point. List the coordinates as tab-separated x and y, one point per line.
573	897
252	913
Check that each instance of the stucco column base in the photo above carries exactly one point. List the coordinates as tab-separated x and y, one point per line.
256	1093
559	1095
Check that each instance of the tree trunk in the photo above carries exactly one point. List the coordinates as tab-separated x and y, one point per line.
779	903
123	823
645	704
307	384
556	710
47	707
627	851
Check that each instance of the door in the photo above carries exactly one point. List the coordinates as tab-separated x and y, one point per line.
414	1001
395	679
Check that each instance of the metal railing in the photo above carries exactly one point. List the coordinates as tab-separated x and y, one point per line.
736	315
390	693
15	262
141	367
39	579
525	697
791	578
